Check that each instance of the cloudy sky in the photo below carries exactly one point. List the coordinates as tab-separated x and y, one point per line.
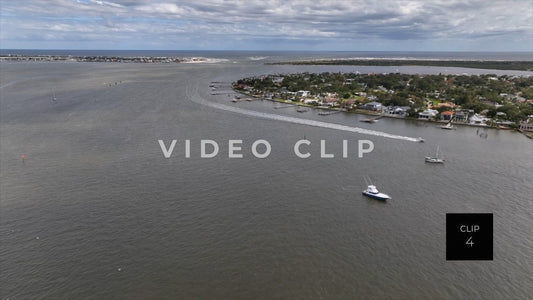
364	25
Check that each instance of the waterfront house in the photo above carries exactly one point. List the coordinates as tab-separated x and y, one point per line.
527	125
428	114
329	101
400	111
375	106
446	115
477	119
348	103
461	116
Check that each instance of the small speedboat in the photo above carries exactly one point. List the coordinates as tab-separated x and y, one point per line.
369	120
372	192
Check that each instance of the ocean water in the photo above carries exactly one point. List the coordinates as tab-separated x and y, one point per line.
95	210
275	56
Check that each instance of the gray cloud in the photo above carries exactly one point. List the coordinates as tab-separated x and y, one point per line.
170	24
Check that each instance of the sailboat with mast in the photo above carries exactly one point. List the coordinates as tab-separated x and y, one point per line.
434	159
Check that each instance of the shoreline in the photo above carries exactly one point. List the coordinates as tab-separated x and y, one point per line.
101	58
375	114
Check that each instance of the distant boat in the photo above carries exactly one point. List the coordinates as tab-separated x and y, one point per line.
327	113
435	159
448	126
420	140
371	120
301	110
372	192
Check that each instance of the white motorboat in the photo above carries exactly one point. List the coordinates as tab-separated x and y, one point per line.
372	192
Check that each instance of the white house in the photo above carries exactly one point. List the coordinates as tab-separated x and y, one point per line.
527	125
428	114
397	110
302	93
372	106
478	119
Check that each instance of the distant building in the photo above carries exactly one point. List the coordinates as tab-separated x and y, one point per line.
329	101
302	93
375	106
446	115
348	103
428	114
461	116
527	125
277	80
400	111
445	104
478	120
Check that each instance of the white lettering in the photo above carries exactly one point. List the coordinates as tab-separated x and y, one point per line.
267	146
167	153
297	149
232	148
344	148
363	150
323	153
203	154
187	148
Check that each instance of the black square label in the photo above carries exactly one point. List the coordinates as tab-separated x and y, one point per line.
468	236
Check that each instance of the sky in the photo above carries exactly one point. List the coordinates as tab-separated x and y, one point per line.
359	25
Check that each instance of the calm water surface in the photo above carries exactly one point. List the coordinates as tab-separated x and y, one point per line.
95	210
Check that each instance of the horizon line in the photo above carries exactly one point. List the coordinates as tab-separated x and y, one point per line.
250	50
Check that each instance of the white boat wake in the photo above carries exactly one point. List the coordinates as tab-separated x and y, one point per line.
194	97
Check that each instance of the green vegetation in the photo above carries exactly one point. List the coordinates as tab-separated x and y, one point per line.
504	97
475	64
